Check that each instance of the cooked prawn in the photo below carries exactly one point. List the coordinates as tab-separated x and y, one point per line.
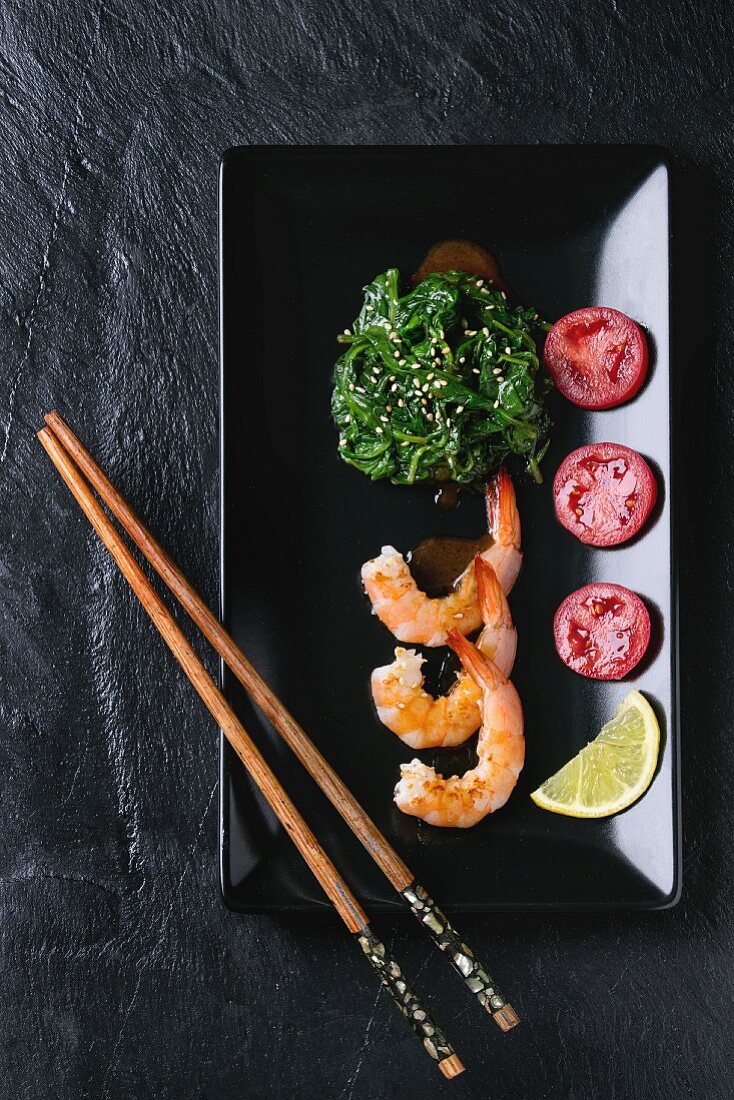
462	800
414	617
415	716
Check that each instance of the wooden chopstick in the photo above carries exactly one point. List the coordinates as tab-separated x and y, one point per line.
395	870
333	884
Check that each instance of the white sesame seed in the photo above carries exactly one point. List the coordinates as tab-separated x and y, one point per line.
462	359
471	332
378	429
393	387
500	377
448	421
401	403
396	354
459	408
369	307
430	376
389	408
496	404
508	350
459	615
497	370
347	332
375	370
429	416
401	362
489	306
351	385
480	282
424	401
347	419
475	370
405	443
485	330
359	389
392	378
503	295
424	387
401	706
384	420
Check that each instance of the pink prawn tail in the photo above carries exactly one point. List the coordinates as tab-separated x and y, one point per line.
492	600
503	519
483	671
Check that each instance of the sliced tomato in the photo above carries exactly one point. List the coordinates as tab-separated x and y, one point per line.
597	356
603	493
602	631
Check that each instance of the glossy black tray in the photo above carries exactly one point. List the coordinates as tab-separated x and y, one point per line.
301	230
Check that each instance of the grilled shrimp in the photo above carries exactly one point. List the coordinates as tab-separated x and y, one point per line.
414	617
461	801
415	716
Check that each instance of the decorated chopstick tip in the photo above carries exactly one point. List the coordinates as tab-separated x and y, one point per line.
461	956
425	1027
506	1018
451	1066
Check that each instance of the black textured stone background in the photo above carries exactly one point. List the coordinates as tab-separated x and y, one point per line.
122	974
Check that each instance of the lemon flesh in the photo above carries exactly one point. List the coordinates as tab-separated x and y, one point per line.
612	771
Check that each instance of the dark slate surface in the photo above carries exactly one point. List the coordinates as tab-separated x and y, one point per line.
122	975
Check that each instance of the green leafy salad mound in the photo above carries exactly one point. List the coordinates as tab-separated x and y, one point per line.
441	383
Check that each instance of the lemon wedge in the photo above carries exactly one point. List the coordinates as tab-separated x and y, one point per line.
612	771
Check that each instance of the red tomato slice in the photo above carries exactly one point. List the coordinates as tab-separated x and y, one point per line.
602	631
603	493
597	356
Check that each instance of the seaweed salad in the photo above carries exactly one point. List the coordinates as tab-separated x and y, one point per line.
441	383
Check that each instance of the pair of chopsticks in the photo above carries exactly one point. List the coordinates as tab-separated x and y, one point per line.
75	464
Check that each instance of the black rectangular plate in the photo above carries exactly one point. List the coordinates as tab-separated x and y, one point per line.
301	230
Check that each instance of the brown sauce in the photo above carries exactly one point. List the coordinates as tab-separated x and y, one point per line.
437	562
460	255
447	495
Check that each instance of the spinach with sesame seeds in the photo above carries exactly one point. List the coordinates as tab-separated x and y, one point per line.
440	384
